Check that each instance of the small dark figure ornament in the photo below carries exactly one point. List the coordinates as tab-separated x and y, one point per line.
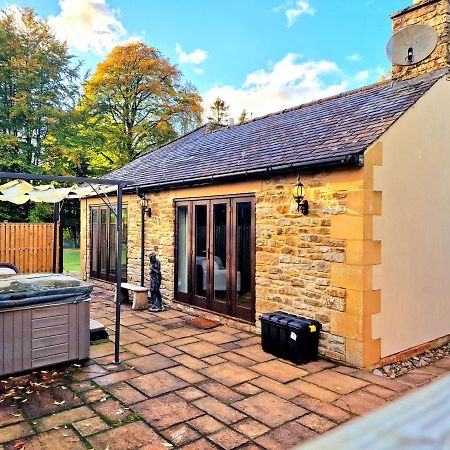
155	284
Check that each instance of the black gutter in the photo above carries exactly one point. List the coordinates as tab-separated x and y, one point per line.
352	160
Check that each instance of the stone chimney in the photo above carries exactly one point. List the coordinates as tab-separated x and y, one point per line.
435	13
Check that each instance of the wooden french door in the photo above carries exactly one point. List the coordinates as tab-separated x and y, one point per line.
215	255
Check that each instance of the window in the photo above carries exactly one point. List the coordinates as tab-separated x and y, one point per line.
103	243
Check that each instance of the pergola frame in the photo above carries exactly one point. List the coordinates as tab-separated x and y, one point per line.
120	185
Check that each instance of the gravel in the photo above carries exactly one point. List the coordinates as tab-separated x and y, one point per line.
400	368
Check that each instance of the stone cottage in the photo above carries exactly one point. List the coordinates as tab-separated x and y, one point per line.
370	260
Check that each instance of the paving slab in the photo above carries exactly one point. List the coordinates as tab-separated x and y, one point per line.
201	349
157	383
167	410
9	413
151	363
270	409
126	393
112	410
360	402
219	410
64	418
63	438
251	428
335	381
16	431
229	373
279	370
287	436
128	437
90	426
181	434
221	392
228	439
206	424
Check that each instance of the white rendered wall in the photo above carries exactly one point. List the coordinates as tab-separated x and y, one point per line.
414	228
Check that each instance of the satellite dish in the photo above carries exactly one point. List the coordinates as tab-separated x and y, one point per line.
411	45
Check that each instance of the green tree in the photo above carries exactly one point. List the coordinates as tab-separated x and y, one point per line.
219	110
243	117
137	101
38	83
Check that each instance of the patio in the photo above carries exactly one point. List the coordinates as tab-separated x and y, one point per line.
182	387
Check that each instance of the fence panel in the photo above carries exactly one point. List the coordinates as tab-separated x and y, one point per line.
29	246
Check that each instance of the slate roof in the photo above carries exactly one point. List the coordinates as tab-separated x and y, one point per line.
334	130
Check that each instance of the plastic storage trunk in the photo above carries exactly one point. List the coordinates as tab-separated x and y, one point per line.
290	337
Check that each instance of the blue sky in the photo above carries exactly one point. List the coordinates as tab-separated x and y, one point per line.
262	55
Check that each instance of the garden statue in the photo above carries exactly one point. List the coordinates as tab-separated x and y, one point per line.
155	284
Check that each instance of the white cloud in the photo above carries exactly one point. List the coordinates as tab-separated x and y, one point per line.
287	83
362	76
88	25
198	71
195	57
355	57
293	10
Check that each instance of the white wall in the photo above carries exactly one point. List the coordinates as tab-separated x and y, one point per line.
414	228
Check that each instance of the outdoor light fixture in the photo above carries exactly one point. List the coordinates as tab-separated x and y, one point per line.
298	192
145	208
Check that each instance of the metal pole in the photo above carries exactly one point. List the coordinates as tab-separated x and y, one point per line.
55	234
142	245
118	274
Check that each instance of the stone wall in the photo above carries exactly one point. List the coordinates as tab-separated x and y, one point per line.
435	13
302	262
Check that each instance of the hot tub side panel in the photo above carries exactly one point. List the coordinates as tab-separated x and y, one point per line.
33	337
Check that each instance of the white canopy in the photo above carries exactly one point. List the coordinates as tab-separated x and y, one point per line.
20	191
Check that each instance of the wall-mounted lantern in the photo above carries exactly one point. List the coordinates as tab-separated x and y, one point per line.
145	208
298	192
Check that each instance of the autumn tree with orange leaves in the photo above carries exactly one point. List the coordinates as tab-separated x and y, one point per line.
138	101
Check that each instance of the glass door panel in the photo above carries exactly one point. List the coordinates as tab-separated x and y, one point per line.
103	244
94	241
182	249
220	212
112	244
200	265
243	255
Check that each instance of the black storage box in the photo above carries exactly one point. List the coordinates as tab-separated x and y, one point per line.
290	337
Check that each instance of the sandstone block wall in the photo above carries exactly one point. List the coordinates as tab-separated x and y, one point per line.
435	13
307	265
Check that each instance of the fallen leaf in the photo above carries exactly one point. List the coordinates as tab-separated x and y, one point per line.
44	371
103	399
59	403
4	381
63	387
120	411
17	398
28	392
65	435
56	428
76	365
24	400
21	387
17	415
87	424
19	445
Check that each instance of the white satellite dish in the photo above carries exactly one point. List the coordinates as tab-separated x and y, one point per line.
411	45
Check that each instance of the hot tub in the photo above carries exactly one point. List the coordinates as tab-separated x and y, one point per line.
44	319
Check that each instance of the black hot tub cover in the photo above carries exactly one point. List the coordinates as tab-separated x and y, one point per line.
32	289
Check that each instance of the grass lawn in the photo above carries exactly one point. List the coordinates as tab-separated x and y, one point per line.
71	260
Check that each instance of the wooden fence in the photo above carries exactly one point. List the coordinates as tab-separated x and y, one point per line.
29	246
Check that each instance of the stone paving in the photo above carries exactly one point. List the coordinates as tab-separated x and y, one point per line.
182	387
